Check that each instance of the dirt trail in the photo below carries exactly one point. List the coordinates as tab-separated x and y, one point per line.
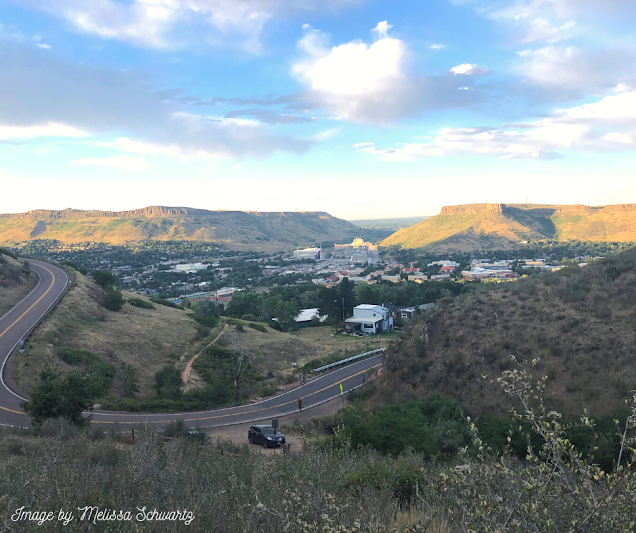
185	375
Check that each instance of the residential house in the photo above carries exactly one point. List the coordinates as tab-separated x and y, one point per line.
369	319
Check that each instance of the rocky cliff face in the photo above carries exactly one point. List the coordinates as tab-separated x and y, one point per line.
472	209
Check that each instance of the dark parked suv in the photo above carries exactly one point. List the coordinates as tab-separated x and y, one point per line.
265	435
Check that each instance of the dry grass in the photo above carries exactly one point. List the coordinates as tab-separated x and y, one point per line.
283	353
13	285
147	339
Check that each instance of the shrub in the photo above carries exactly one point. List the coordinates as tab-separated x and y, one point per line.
103	278
433	426
98	375
168	383
239	327
258	327
4	251
114	300
161	301
249	318
55	397
143	304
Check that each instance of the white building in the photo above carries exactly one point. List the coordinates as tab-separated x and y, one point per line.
307	315
191	267
307	253
369	319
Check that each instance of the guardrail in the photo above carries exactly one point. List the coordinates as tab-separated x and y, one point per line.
348	360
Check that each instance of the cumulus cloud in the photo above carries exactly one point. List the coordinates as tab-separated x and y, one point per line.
606	125
383	29
48	97
44	46
437	47
169	23
573	68
467	69
129	164
370	83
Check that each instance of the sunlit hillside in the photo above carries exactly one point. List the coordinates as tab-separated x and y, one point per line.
503	226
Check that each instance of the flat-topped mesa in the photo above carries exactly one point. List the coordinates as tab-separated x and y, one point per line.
159	211
621	207
472	209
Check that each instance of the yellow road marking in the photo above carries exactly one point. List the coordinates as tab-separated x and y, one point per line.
12	411
244	412
21	317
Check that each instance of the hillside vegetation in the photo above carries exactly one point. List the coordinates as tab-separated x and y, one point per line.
580	323
145	339
232	228
16	280
504	226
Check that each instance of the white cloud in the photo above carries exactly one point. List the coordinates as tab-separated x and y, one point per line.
437	46
44	46
169	23
48	97
369	83
129	164
125	144
383	29
578	128
362	145
306	26
47	129
574	68
467	69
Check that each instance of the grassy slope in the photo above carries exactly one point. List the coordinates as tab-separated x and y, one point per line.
580	322
14	284
487	229
275	351
229	227
144	338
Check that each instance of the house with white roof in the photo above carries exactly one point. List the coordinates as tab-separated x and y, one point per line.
369	319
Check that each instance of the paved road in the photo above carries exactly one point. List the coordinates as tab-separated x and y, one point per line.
53	281
15	325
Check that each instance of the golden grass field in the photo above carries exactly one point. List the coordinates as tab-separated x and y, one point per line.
504	226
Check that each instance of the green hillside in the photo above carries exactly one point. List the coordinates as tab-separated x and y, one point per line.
579	322
235	229
504	226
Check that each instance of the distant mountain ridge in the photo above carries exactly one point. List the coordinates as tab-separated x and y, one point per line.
236	229
503	226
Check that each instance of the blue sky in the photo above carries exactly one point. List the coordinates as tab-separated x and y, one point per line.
361	108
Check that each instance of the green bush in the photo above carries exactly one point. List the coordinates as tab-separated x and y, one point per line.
258	327
161	301
4	251
249	318
435	426
239	327
168	383
56	398
103	278
98	375
114	300
138	302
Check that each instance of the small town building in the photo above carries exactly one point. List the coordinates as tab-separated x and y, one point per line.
305	316
369	319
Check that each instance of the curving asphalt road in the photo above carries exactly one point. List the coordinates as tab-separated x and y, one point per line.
15	325
18	322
